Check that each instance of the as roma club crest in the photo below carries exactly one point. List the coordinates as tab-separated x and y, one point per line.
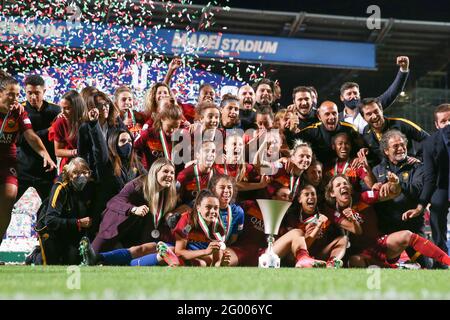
405	176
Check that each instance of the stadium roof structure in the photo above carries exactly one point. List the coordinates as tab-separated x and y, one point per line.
426	43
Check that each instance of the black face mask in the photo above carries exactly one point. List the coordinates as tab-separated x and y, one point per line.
352	104
125	151
79	183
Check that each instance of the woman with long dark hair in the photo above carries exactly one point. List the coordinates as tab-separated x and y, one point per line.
102	116
156	142
64	131
116	163
200	234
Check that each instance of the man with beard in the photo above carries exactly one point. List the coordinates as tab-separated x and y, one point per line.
319	134
404	212
303	103
351	97
264	93
247	112
372	111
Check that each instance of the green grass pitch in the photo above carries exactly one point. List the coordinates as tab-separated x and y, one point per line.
59	282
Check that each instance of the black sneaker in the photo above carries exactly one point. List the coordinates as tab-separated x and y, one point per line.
90	258
31	257
440	266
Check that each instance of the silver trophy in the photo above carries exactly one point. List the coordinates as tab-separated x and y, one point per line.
273	212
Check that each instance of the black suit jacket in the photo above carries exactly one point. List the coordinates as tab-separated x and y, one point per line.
436	162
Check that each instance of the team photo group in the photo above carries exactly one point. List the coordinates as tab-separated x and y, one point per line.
171	183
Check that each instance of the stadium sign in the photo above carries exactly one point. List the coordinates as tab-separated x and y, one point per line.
276	50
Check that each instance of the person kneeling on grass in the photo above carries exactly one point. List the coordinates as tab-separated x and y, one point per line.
137	217
64	218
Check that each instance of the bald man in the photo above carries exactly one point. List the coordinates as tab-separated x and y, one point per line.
320	133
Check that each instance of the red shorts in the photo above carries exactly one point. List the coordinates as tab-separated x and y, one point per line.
8	173
248	255
378	252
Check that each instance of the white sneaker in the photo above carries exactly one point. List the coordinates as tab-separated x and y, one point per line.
409	265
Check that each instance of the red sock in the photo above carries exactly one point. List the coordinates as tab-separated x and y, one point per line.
428	249
301	253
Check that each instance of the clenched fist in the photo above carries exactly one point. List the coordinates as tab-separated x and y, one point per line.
403	62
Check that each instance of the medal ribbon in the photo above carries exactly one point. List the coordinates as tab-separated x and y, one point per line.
157	216
129	113
293	186
229	220
162	138
197	177
343	170
216	235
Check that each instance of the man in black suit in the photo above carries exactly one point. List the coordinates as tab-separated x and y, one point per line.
436	179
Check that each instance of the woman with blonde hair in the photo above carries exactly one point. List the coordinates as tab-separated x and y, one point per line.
137	214
65	217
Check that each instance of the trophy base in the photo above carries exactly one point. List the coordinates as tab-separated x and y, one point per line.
269	260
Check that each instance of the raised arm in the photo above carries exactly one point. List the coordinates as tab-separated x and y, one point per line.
173	66
388	97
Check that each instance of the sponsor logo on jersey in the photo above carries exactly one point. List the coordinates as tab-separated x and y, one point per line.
187	229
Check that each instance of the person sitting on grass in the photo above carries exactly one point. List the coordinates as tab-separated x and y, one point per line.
137	214
134	256
323	238
200	234
368	247
290	246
